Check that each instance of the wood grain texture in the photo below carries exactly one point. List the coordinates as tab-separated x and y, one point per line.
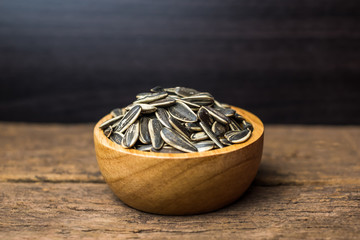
180	184
75	61
307	187
73	211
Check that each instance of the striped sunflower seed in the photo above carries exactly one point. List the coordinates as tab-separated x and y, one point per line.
169	90
224	105
240	136
193	127
167	149
185	92
129	118
152	97
182	112
191	105
177	140
211	135
234	125
146	147
247	125
199	136
227	111
218	116
205	124
131	135
116	112
200	100
144	135
143	94
154	130
145	108
219	129
117	137
170	119
165	102
204	145
108	131
225	142
179	127
157	89
230	133
163	116
238	117
110	122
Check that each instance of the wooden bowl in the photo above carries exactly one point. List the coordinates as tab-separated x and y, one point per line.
180	183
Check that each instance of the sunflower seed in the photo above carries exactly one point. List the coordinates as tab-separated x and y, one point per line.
131	135
199	136
234	125
157	89
147	108
200	96
185	92
224	105
108	131
146	147
227	111
239	137
143	94
230	133
180	115
225	142
129	118
204	116
179	127
116	112
167	150
165	102
169	90
190	104
218	116
194	127
110	122
205	124
182	112
247	125
211	135
152	97
144	135
116	137
201	99
217	104
175	97
204	146
163	116
154	130
218	129
238	117
177	140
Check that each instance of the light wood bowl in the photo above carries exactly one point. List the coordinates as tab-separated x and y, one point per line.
180	183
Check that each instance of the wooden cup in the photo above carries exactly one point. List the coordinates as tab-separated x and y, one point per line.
180	183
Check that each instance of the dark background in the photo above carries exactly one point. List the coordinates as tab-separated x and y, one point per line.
75	60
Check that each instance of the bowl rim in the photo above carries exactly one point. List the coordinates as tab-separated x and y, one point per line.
250	117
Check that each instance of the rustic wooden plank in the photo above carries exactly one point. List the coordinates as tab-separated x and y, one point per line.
293	155
78	210
40	152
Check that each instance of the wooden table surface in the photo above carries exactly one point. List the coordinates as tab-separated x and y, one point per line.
307	187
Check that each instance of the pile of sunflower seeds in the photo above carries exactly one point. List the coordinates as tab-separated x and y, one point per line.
176	120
